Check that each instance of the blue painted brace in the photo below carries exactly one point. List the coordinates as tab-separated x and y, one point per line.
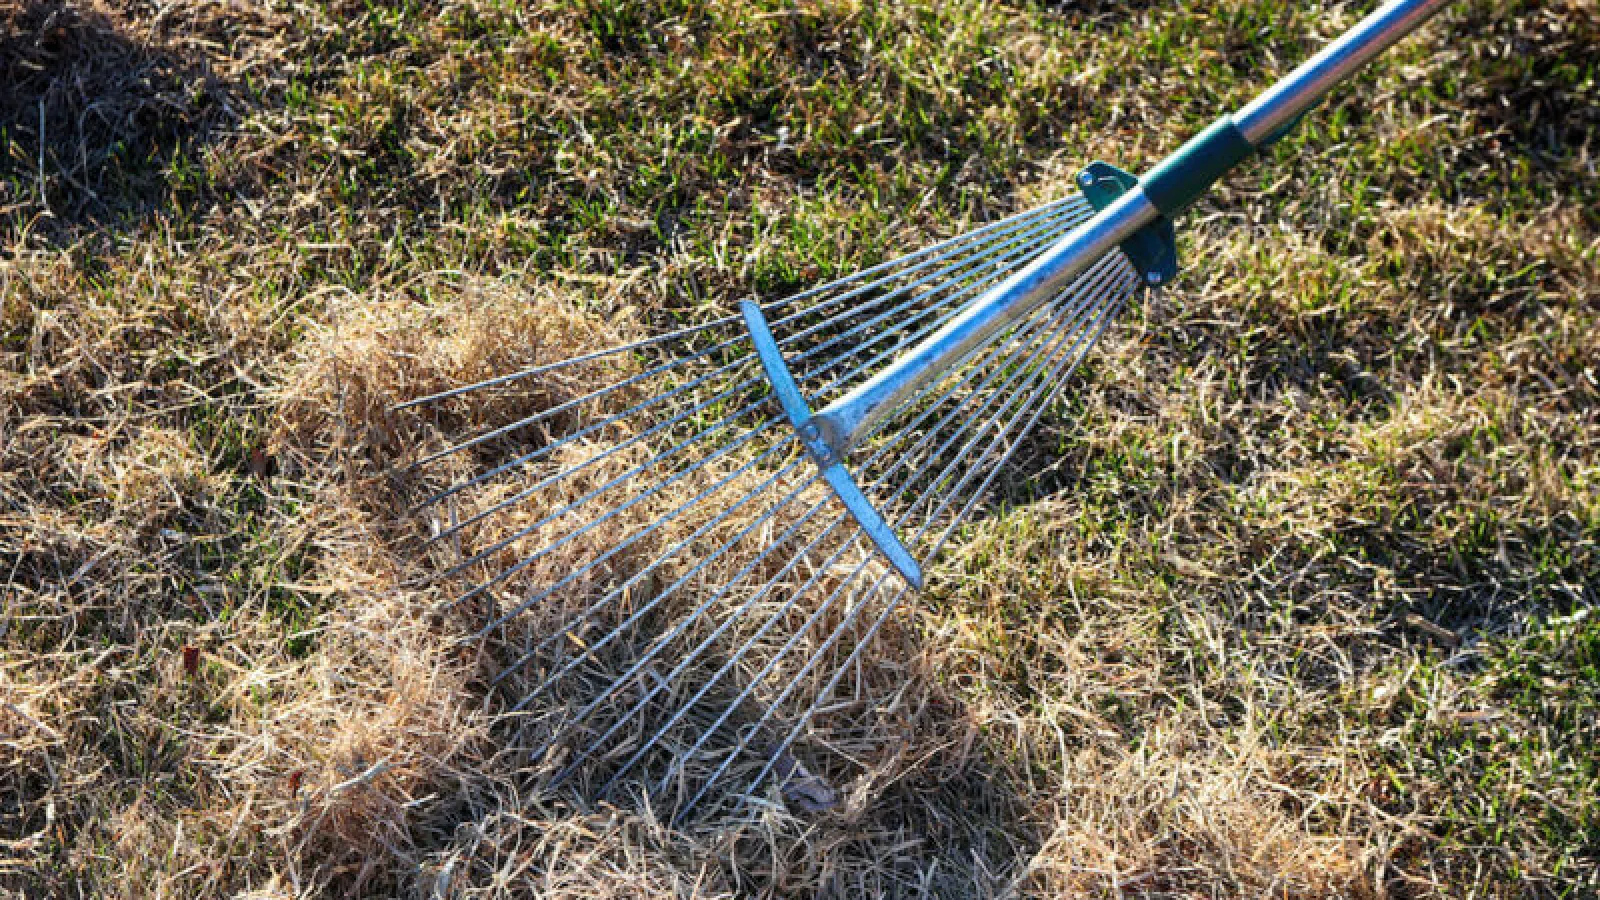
838	477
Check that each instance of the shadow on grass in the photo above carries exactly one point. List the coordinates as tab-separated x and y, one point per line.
1538	99
98	128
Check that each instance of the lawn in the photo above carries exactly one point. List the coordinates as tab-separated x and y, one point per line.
1294	595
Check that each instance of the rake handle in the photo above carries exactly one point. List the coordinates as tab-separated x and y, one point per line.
1166	190
1181	178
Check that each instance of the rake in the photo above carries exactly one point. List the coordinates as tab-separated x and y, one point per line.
684	550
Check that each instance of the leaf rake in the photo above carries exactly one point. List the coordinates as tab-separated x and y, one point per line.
688	547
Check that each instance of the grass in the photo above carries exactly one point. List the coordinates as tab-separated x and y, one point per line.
1295	597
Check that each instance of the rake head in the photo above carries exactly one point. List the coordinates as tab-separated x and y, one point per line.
674	588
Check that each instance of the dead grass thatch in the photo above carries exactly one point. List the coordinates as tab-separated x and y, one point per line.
1293	597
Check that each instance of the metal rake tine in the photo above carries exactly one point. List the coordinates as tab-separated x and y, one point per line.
783	747
1054	322
509	377
1038	410
1067	316
1079	306
1003	233
547	481
544	414
976	236
1025	370
944	306
794	638
994	471
702	406
1023	337
1081	318
736	657
1026	333
900	344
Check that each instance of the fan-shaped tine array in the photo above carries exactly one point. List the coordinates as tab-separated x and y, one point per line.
671	588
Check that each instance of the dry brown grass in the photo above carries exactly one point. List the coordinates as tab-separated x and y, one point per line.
1296	598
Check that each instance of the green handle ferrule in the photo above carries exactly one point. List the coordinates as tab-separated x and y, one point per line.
1182	177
